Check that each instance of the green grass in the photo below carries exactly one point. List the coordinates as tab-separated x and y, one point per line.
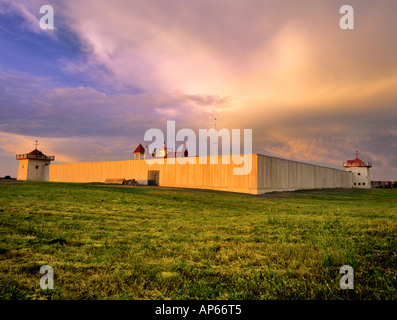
118	242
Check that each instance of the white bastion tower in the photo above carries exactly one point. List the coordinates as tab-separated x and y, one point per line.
34	165
361	170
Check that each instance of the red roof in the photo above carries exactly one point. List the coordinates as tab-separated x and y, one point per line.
356	161
139	149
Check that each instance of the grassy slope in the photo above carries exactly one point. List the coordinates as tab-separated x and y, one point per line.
114	242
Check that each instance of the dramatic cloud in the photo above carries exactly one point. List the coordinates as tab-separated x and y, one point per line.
31	107
112	69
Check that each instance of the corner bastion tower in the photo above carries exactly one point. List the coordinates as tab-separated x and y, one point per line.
361	172
34	165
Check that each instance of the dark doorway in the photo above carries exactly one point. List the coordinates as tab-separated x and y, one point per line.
153	178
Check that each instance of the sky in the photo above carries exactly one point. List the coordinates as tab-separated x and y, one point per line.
89	89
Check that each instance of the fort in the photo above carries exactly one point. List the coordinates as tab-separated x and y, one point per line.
268	174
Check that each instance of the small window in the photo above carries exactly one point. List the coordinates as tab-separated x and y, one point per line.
363	183
37	167
359	174
359	184
355	183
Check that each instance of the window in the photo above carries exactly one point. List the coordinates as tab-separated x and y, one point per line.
355	183
359	184
363	183
37	167
359	174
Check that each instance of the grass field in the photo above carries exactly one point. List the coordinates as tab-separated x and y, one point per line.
119	242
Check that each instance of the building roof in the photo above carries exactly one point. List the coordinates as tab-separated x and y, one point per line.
36	152
139	149
357	163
